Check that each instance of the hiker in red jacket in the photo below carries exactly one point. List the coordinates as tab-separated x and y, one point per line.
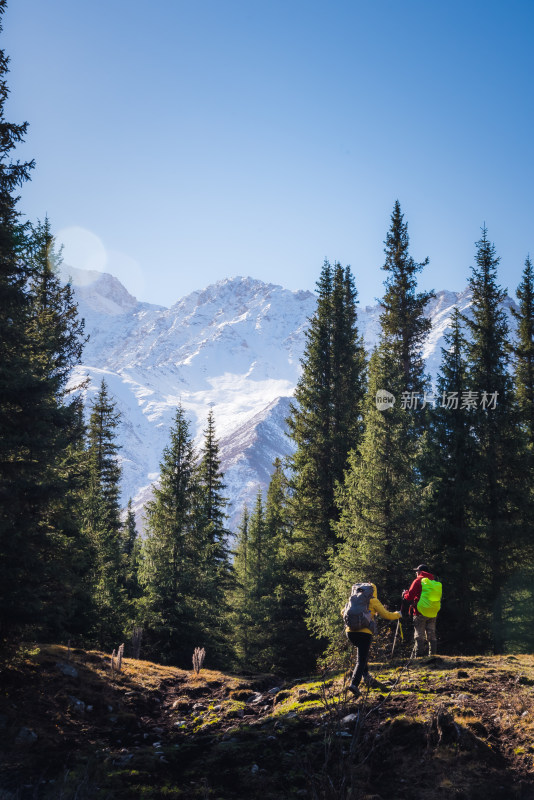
424	626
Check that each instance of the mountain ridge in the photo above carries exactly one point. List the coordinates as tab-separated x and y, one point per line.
235	347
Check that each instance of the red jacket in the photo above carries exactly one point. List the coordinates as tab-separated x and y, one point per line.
413	594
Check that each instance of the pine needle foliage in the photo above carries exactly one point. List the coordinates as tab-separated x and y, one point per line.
56	337
20	537
377	528
499	465
378	497
254	568
185	567
325	420
447	475
41	338
169	559
215	576
402	319
103	521
131	554
523	351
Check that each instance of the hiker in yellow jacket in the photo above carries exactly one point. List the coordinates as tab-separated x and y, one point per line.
361	635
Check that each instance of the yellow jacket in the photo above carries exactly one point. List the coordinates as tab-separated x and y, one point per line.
375	607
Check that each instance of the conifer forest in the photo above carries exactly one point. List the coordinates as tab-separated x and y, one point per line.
443	476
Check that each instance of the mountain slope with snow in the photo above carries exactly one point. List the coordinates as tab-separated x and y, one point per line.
234	346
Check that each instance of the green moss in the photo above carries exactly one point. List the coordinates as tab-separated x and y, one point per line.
311	704
281	696
286	708
315	686
208	724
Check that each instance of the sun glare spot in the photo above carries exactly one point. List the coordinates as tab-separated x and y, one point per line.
82	249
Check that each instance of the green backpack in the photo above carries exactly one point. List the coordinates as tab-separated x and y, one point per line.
430	601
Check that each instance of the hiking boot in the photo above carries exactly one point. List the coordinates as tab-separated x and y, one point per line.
354	689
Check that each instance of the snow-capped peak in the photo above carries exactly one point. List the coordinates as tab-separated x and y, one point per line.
100	291
234	346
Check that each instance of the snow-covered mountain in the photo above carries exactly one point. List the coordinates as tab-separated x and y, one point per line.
234	347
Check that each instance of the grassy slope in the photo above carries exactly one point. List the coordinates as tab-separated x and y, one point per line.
446	727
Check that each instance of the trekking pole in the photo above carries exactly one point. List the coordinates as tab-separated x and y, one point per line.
397	629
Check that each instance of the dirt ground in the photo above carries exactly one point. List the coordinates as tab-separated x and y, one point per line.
442	727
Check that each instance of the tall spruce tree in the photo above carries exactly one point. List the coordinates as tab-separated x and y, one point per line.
241	616
402	319
103	522
169	568
326	416
55	334
523	366
379	510
129	531
447	477
212	548
131	553
185	566
523	351
499	458
377	528
290	649
20	535
252	599
212	502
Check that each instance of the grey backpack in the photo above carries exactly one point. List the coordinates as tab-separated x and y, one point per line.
356	613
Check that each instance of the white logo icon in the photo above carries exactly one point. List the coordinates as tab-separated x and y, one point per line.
384	400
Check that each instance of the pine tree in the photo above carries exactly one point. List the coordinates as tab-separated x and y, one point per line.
378	498
212	548
447	476
498	464
378	505
402	319
523	366
102	519
252	597
326	416
129	531
170	557
55	334
348	370
131	553
242	610
212	503
523	351
310	427
290	649
257	584
20	537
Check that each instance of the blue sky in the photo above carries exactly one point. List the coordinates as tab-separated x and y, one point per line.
179	143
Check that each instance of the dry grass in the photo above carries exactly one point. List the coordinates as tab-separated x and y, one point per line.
159	731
